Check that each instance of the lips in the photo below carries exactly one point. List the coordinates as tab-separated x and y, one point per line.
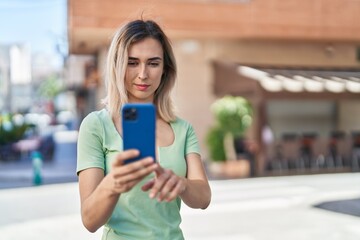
141	87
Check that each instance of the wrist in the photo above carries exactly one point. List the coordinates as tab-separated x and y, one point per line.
185	186
107	191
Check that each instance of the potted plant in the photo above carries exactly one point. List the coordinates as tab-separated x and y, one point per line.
233	115
12	129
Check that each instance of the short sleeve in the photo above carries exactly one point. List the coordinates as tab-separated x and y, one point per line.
90	151
192	143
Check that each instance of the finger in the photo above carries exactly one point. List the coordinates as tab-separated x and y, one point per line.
168	187
124	177
138	172
179	188
159	170
159	183
122	187
125	155
134	167
148	185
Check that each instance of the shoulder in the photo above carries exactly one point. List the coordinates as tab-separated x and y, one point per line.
181	123
184	130
95	118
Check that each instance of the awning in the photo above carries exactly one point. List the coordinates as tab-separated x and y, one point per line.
261	84
285	82
276	80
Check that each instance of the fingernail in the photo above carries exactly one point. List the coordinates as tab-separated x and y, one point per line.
149	160
151	195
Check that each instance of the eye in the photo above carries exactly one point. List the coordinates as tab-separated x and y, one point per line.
154	64
132	63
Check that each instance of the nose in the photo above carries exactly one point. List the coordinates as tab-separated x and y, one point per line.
143	73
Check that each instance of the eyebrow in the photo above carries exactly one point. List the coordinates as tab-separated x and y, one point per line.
150	59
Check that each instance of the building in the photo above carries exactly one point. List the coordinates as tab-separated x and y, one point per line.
4	78
15	78
213	39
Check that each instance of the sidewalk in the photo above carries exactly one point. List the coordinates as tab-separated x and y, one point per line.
20	174
272	208
61	169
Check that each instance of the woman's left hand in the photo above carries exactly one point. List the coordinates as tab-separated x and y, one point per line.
166	186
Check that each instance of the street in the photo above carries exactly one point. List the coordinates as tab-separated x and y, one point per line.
244	209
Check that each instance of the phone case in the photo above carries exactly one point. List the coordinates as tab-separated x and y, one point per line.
138	125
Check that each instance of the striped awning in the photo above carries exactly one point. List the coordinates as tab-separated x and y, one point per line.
303	80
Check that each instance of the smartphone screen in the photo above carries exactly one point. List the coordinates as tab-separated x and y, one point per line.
138	125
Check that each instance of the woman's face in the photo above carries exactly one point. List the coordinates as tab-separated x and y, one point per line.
144	70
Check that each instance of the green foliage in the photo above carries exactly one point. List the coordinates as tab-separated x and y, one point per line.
51	87
215	141
233	115
11	130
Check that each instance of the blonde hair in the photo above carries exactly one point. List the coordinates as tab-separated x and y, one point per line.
116	64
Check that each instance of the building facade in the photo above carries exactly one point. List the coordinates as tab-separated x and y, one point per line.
293	34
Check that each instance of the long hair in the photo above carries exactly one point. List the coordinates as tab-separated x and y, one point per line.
116	64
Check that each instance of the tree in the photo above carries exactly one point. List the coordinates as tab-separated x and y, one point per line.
233	116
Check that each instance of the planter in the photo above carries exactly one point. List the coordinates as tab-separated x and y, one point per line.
230	169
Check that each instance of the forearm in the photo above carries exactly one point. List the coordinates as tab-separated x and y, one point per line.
98	207
197	194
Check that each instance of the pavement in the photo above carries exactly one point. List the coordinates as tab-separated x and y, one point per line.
61	168
20	173
284	207
245	209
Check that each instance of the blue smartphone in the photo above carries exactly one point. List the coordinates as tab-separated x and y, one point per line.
138	125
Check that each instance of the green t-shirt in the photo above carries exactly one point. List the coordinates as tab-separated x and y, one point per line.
136	216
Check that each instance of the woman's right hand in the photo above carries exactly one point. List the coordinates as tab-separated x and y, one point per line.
99	194
123	177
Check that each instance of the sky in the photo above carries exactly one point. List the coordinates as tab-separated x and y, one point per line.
39	23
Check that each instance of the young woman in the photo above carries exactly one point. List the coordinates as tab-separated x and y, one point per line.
140	200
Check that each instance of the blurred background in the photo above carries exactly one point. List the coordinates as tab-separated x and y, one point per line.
295	64
271	87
